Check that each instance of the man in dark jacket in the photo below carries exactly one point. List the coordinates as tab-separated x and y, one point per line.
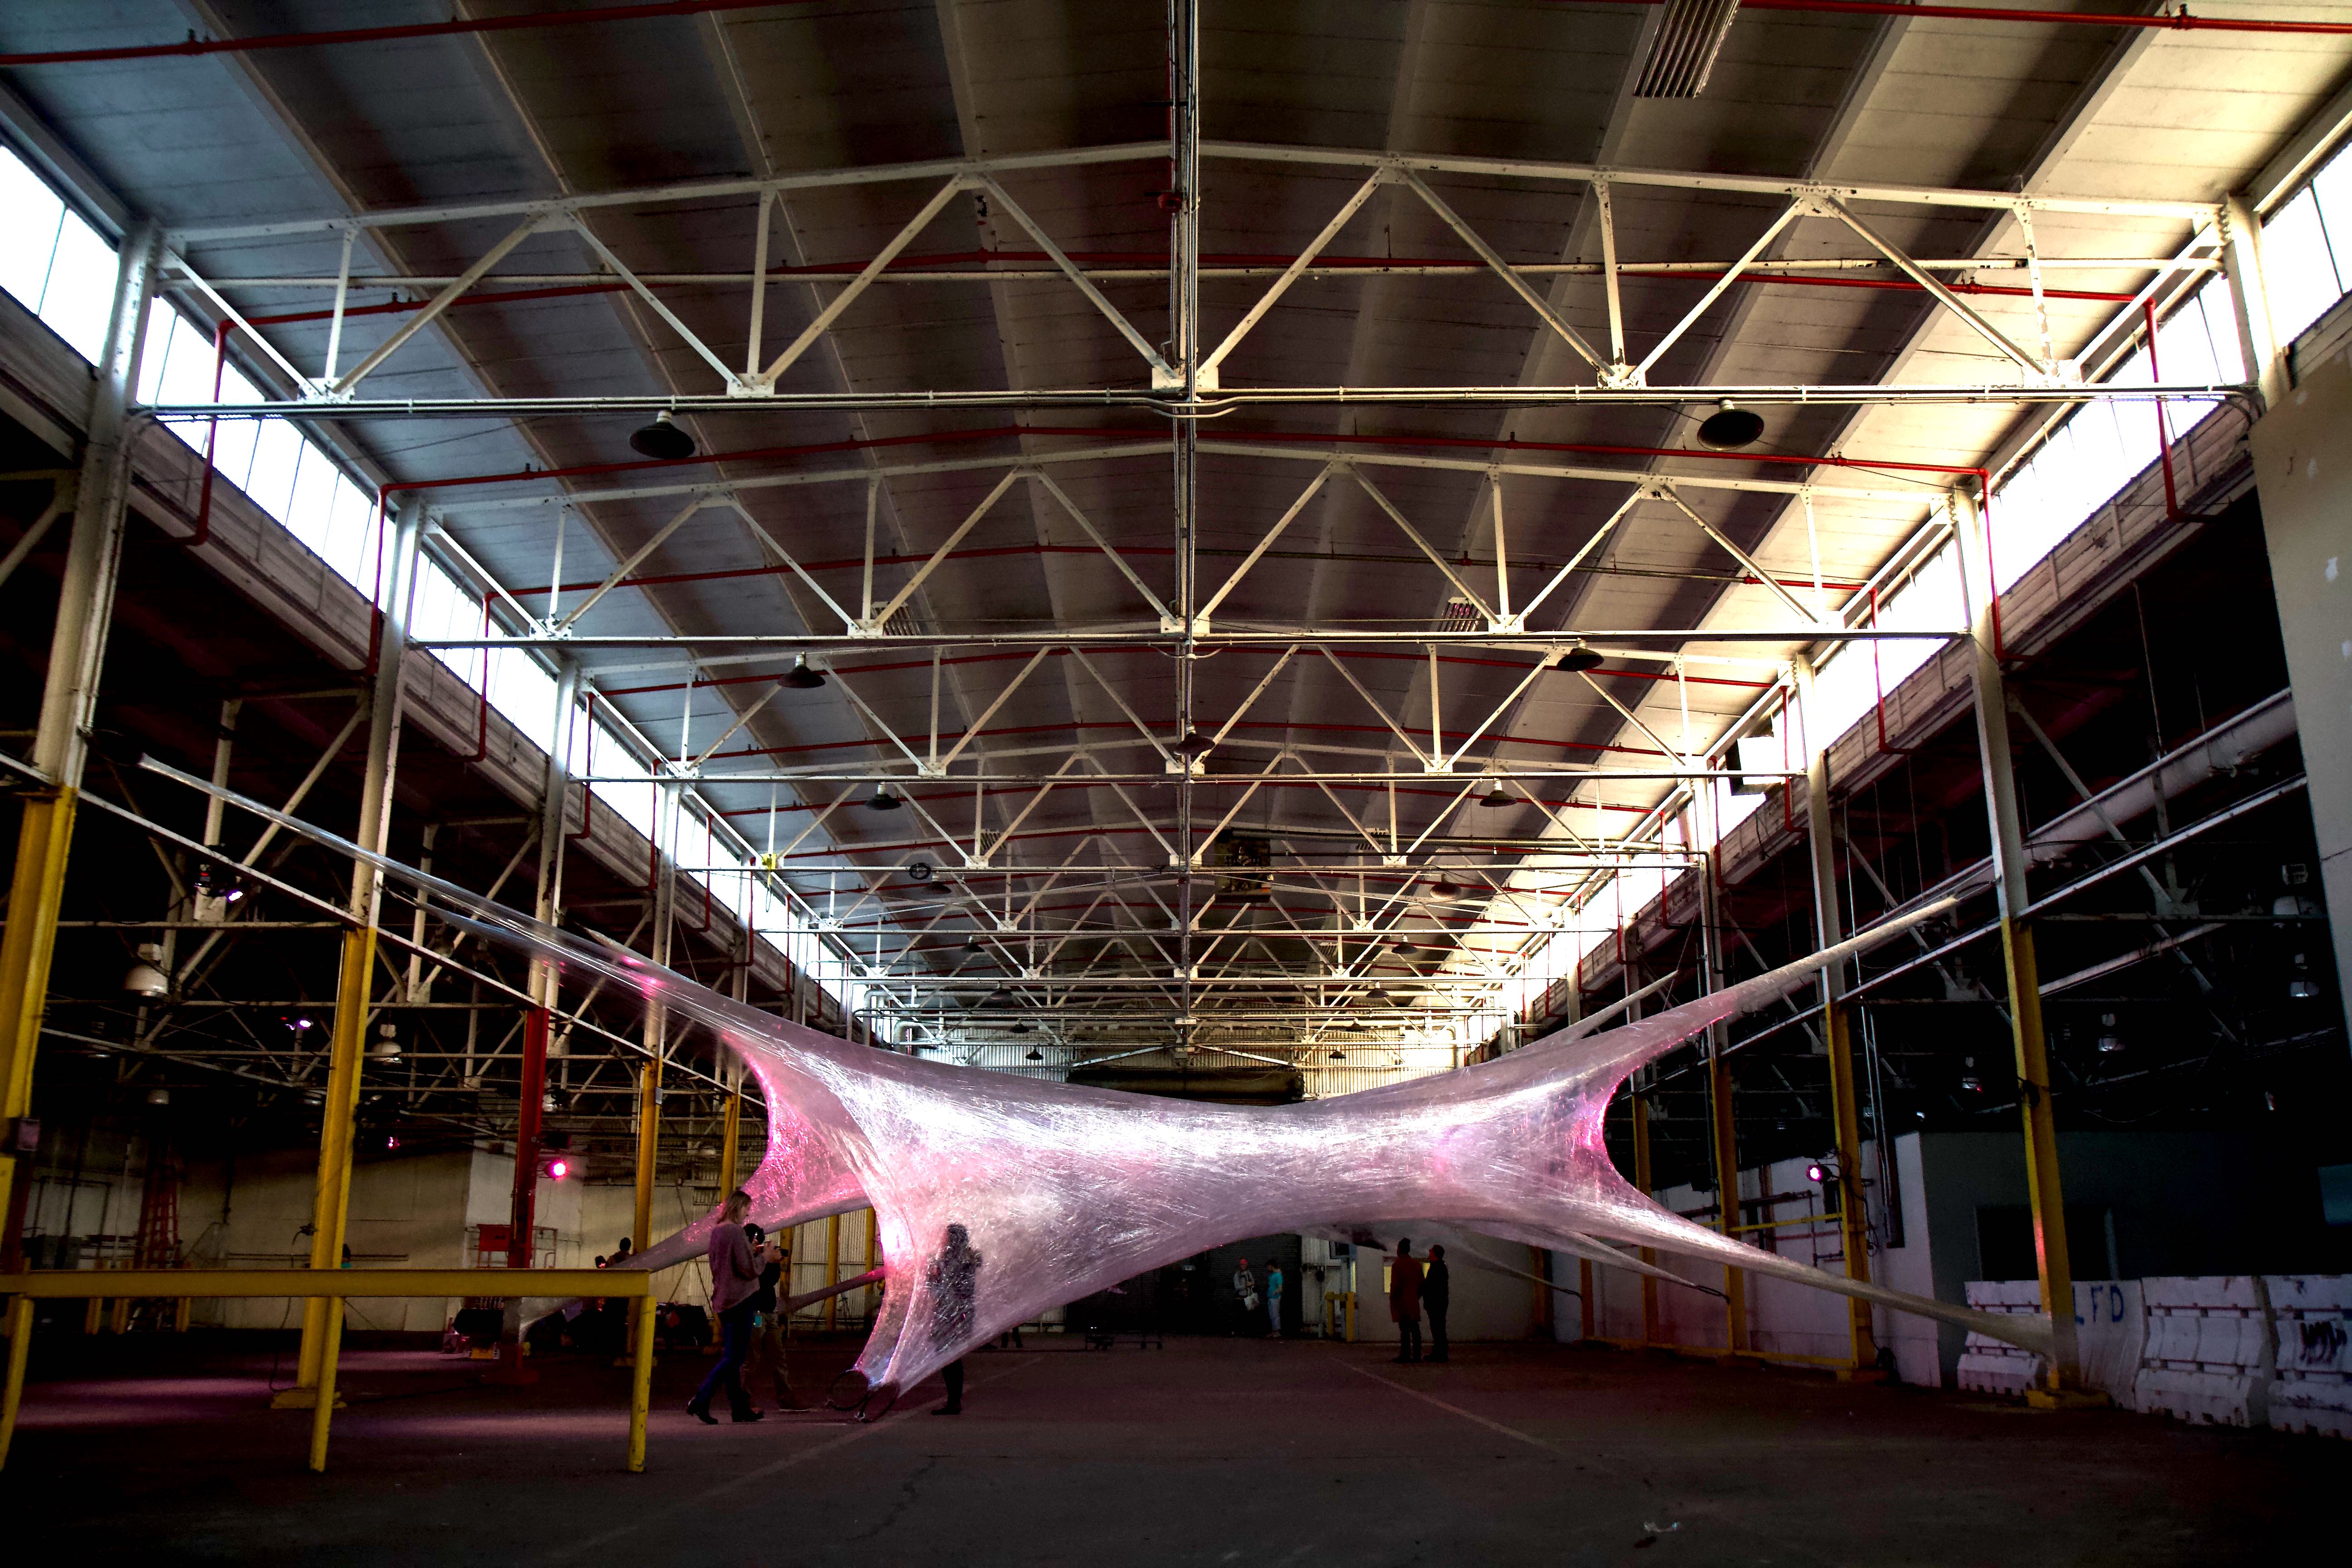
1404	1300
1436	1295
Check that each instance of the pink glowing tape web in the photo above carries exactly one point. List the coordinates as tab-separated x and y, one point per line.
997	1197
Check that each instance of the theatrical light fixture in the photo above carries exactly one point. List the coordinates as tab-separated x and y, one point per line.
1728	429
919	870
803	676
1579	659
662	440
1820	1171
144	978
558	1169
883	799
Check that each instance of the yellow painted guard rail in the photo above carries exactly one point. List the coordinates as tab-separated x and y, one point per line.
134	1284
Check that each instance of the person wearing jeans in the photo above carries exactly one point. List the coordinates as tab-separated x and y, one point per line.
735	1267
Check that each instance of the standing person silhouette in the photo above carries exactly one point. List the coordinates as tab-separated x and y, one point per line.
953	1278
1437	1296
1404	1300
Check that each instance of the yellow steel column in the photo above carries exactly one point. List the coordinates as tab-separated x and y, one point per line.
20	1345
355	985
731	1072
322	1407
832	1270
2023	974
70	688
657	1038
731	1130
1854	1224
641	1383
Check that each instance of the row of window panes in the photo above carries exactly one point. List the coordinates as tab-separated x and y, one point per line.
57	265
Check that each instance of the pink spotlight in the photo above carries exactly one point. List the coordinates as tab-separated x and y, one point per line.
559	1169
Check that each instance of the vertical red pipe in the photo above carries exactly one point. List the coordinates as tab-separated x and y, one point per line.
527	1136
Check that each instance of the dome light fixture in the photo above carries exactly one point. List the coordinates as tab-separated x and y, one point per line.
158	1096
1035	1055
662	440
1728	429
803	676
145	979
883	799
2109	1042
1498	797
1579	658
1021	1029
387	1045
1195	746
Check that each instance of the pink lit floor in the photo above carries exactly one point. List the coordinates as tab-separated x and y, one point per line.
1209	1451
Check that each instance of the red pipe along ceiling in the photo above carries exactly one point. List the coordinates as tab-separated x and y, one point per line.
2178	21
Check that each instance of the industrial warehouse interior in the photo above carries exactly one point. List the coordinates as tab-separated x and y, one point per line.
804	714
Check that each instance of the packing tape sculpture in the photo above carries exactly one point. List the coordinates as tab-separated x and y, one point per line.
998	1196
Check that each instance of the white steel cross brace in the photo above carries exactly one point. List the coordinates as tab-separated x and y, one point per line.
874	623
1207	380
1519	286
765	381
1163	376
1290	515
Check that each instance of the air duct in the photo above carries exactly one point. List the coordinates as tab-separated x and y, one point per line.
1681	52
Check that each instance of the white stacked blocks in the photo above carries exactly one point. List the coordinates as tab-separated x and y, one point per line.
2208	1354
1989	1366
2311	1317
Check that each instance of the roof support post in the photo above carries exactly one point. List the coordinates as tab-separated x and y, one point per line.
70	698
330	1205
1853	1217
2249	296
2053	1261
668	809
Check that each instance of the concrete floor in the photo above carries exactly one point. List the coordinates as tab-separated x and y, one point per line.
1210	1451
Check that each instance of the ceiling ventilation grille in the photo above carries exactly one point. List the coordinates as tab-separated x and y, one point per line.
1689	37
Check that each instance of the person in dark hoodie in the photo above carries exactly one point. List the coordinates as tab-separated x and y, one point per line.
1404	1300
1436	1296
